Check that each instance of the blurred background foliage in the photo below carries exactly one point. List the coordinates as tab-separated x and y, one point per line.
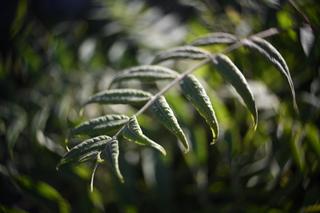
54	54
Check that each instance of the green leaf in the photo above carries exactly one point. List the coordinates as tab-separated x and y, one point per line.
161	109
215	38
232	74
313	138
104	124
185	52
120	96
86	150
196	94
146	73
132	132
272	54
298	151
112	153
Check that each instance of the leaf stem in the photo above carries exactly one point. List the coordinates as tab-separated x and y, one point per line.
93	174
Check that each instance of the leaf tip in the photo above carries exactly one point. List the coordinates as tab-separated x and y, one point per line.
163	151
121	179
186	150
160	149
215	133
255	121
255	127
119	175
213	142
66	145
185	147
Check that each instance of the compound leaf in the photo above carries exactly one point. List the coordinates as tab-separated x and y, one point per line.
85	150
215	38
272	54
104	124
161	109
196	94
145	73
120	96
232	74
185	52
132	132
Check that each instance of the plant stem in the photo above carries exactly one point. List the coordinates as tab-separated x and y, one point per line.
263	34
93	174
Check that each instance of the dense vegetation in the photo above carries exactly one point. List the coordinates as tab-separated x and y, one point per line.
54	56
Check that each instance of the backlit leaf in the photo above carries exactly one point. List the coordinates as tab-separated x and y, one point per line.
215	38
146	73
132	132
232	74
272	54
197	95
103	124
165	115
120	96
185	52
